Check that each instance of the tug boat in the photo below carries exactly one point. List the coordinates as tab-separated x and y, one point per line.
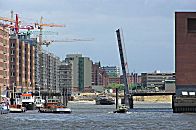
54	106
121	109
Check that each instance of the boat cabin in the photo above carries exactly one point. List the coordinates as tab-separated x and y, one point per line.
54	103
27	97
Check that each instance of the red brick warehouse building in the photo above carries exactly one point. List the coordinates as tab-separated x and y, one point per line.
185	52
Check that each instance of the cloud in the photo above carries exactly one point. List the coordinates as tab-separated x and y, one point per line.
148	26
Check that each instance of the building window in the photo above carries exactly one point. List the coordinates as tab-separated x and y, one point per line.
12	66
12	45
192	25
12	52
12	74
12	59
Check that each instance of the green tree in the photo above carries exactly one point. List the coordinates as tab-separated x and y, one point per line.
115	85
132	86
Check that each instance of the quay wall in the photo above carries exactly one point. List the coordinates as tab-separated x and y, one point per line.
163	98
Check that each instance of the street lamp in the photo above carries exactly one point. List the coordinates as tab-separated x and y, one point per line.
100	79
0	93
13	90
39	91
48	92
30	86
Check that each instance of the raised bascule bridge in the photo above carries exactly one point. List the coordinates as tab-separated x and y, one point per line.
184	99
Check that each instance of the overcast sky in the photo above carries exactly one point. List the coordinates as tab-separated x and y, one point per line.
148	28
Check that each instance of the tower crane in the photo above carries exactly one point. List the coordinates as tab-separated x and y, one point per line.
40	27
7	20
9	25
48	42
16	26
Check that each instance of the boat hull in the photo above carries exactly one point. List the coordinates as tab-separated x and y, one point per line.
4	111
120	111
28	106
17	110
57	110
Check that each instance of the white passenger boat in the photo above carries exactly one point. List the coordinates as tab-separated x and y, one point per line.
28	101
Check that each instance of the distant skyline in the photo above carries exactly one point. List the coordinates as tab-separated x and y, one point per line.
148	28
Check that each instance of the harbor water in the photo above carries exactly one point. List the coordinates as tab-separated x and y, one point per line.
87	115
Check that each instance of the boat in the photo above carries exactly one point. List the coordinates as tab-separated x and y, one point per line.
121	109
60	108
4	105
39	102
28	101
4	108
54	106
104	100
17	108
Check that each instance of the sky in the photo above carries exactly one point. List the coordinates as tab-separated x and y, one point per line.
148	28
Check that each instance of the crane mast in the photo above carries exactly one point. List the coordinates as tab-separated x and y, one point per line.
40	27
123	65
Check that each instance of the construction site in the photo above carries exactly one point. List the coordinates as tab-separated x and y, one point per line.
25	66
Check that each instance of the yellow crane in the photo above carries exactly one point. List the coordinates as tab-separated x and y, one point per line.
6	19
48	42
40	27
